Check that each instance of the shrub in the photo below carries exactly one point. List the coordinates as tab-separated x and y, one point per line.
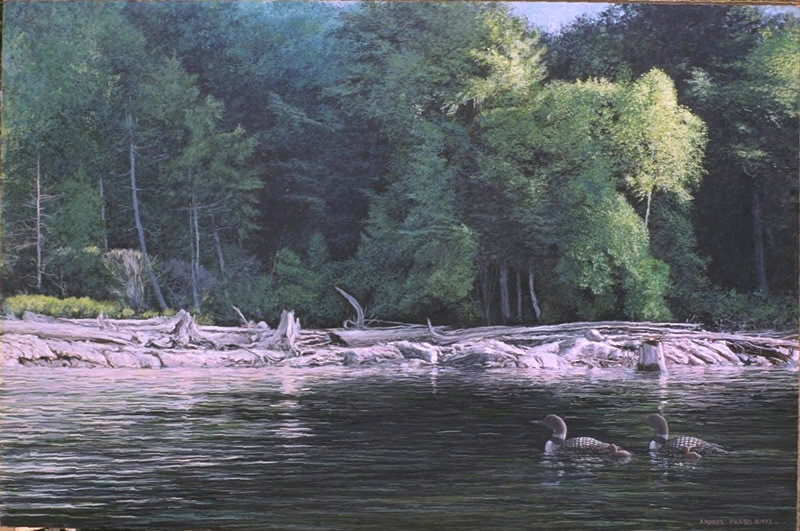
733	310
251	294
72	307
127	267
78	273
204	320
149	314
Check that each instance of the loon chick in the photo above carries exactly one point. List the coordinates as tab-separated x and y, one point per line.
689	453
558	442
683	446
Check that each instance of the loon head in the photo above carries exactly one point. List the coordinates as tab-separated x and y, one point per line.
658	423
555	423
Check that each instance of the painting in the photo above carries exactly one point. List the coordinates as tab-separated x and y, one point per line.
399	265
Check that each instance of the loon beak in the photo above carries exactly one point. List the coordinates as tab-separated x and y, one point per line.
539	422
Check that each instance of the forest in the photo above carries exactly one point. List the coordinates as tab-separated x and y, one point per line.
443	161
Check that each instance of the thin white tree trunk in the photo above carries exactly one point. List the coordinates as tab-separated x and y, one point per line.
103	213
647	211
534	300
39	242
192	270
137	218
196	257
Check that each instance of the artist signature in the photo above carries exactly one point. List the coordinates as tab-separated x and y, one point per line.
737	521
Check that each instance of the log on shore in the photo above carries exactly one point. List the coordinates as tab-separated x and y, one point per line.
180	342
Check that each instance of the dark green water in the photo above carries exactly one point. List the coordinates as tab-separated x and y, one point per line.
389	449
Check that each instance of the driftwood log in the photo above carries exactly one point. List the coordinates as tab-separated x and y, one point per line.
180	342
359	322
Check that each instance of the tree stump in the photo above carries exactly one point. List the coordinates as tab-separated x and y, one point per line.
104	323
286	334
651	357
184	332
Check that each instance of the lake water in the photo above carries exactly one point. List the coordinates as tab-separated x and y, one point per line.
389	449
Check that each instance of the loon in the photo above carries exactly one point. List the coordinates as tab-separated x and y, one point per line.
577	445
683	446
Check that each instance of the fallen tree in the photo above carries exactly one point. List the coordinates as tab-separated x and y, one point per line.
180	341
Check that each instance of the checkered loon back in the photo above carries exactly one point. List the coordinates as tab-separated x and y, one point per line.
585	445
676	445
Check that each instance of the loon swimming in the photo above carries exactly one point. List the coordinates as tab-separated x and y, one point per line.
558	442
683	446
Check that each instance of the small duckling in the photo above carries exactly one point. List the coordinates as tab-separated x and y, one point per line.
689	453
616	451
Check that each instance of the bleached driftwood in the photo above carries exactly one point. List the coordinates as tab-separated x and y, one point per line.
359	322
180	341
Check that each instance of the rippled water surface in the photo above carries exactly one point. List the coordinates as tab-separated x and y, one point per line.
388	449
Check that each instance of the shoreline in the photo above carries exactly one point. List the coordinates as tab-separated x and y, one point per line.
179	342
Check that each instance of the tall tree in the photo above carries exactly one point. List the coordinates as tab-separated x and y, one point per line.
211	180
501	202
663	142
763	105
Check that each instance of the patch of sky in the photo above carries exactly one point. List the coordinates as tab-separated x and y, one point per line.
553	16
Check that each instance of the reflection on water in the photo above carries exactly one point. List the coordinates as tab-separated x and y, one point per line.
388	449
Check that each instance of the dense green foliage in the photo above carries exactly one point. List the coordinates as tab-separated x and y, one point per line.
434	160
736	69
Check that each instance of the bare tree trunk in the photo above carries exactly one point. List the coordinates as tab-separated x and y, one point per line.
647	211
534	300
218	247
487	291
758	243
39	241
103	213
519	296
197	252
505	305
275	259
192	265
137	218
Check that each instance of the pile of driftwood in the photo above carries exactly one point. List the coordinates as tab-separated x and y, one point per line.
180	342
